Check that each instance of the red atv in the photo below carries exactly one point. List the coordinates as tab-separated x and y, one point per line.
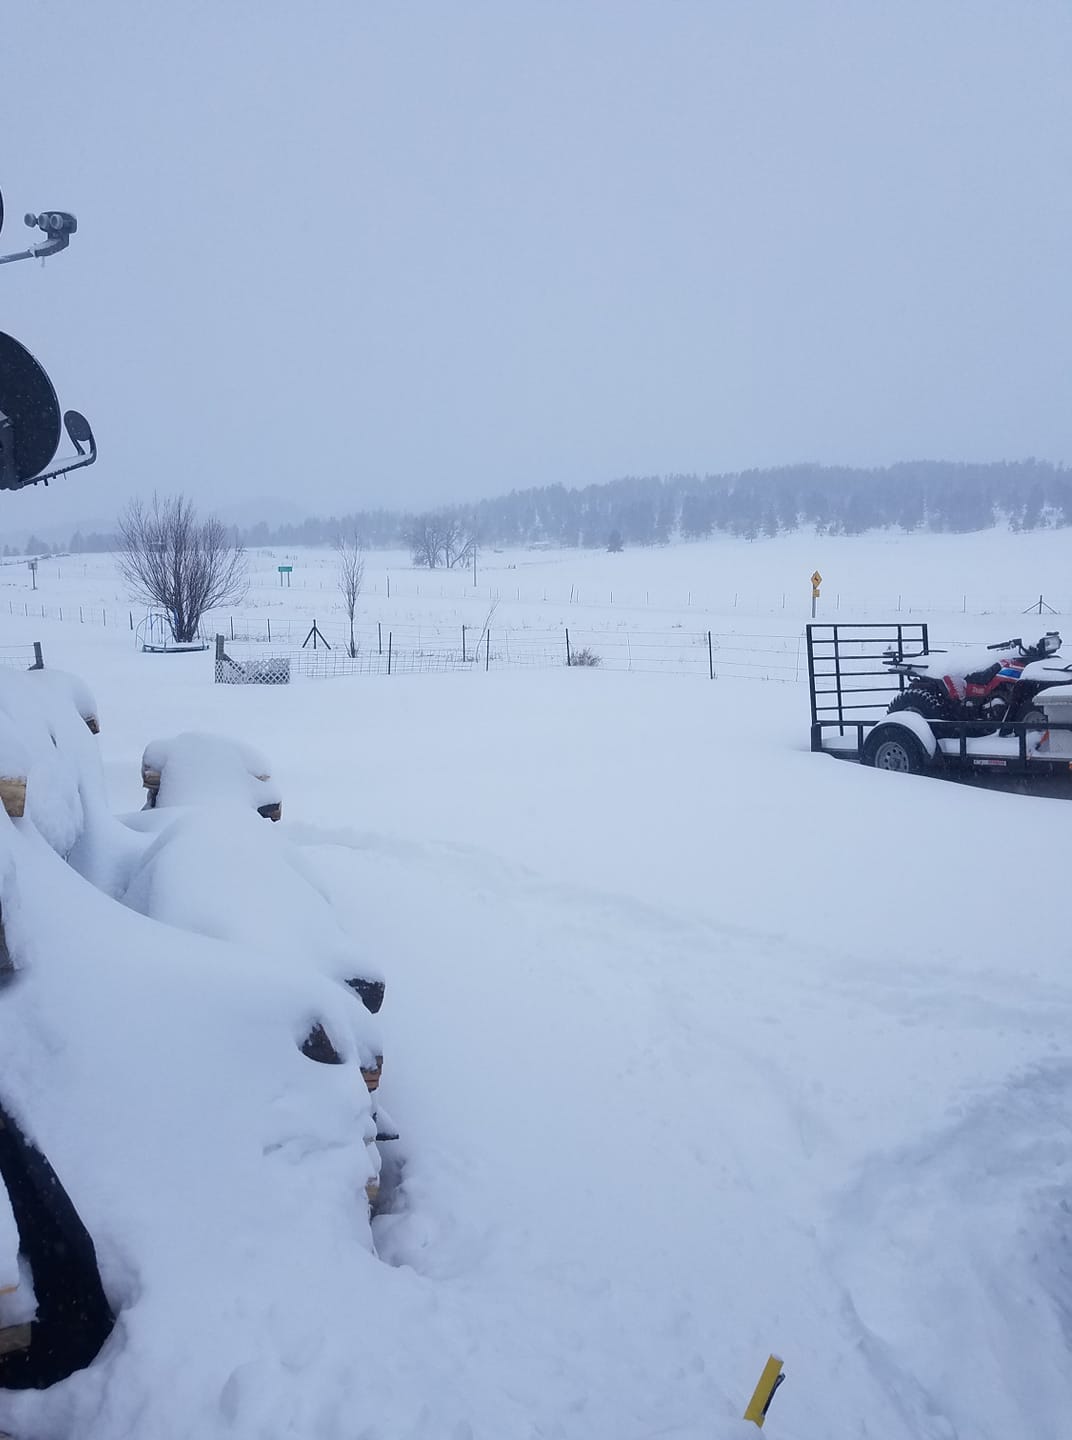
998	684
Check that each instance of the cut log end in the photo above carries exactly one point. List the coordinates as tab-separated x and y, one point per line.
13	795
15	1337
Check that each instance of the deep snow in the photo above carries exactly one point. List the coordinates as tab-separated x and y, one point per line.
701	1046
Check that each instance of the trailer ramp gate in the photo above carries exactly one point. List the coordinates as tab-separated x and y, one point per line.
851	689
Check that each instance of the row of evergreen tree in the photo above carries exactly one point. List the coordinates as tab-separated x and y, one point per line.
652	509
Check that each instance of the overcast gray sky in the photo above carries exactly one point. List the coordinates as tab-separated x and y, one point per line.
349	252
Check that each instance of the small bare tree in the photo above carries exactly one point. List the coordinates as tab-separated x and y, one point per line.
457	543
351	572
184	565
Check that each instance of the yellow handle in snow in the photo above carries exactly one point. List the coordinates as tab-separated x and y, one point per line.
763	1394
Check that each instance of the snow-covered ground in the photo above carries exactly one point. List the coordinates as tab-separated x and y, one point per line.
700	1046
717	581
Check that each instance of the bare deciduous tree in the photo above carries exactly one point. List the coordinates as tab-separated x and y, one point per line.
351	558
184	565
425	540
439	540
458	544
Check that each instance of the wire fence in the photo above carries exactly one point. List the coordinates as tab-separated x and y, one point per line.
521	588
780	608
21	657
412	649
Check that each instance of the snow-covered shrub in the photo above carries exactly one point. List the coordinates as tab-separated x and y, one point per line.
585	657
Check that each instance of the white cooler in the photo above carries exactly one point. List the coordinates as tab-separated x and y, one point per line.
1056	704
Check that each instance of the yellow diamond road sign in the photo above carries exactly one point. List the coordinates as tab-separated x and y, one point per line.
816	579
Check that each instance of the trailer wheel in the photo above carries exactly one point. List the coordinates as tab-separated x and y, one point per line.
892	747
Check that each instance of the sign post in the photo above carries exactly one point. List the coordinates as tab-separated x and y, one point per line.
284	570
816	581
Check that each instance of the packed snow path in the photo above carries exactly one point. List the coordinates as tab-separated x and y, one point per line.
701	1047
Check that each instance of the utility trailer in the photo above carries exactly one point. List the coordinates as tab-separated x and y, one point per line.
851	689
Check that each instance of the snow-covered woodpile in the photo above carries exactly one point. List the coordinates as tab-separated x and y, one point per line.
164	974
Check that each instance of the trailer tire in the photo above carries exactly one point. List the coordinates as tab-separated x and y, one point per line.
894	747
923	702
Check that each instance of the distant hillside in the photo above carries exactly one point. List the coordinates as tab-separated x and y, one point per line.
649	510
652	509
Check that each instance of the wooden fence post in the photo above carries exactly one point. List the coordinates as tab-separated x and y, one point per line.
569	657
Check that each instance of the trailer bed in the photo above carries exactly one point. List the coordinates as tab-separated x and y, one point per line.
851	690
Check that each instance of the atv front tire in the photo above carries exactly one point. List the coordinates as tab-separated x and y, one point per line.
923	702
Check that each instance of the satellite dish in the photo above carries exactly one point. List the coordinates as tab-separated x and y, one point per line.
29	406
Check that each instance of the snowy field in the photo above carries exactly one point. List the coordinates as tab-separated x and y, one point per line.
700	1046
717	582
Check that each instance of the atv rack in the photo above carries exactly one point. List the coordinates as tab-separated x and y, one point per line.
851	689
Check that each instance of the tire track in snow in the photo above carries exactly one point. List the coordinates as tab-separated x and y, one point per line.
955	1258
743	1006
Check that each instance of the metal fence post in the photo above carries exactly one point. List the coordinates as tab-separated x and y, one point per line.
569	657
710	656
39	659
464	656
379	635
487	652
390	637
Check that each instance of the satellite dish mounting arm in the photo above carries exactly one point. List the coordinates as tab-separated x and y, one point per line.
29	409
80	435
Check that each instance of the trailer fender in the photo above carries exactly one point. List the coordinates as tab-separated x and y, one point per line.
897	744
